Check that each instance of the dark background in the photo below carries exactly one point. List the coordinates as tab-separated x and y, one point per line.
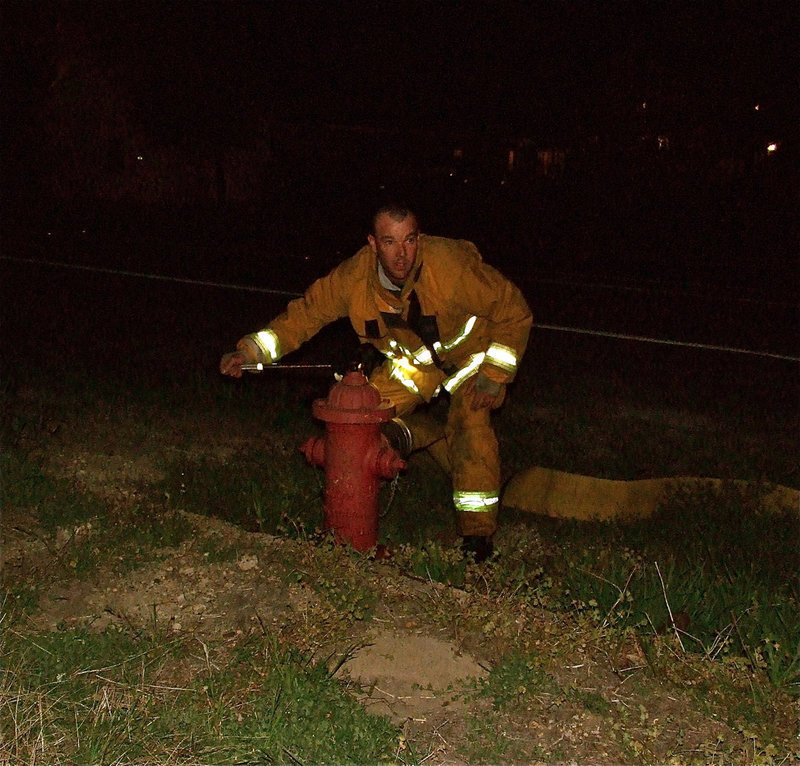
244	142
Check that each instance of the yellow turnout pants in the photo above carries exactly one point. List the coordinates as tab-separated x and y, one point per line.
472	449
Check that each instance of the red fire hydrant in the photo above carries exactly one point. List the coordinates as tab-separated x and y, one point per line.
355	456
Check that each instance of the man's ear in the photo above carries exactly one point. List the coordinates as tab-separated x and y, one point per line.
372	243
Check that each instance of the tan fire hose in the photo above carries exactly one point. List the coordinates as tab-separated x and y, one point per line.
572	496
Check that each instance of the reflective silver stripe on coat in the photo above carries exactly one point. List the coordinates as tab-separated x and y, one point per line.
422	356
461	337
476	502
269	344
401	371
502	356
404	361
472	365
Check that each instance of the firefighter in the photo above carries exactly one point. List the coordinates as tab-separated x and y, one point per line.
447	324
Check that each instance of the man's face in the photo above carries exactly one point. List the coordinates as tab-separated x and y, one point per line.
395	243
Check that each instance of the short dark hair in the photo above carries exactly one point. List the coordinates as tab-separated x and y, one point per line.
397	211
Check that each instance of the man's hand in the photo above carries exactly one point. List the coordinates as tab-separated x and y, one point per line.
483	393
231	364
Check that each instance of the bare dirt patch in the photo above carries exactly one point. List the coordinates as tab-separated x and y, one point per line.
398	664
421	653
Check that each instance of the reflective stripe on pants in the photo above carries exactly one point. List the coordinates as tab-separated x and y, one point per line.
475	461
472	450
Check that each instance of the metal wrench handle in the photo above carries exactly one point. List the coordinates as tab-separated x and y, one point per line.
260	367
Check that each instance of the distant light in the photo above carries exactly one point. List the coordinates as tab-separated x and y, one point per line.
772	147
757	107
139	158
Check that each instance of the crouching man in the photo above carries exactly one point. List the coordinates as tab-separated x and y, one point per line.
446	322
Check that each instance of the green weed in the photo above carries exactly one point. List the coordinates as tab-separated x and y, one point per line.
713	562
104	697
337	574
434	562
297	713
260	491
513	681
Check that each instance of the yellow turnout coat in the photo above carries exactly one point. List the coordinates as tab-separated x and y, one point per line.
455	316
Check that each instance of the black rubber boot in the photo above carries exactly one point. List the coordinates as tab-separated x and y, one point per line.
479	547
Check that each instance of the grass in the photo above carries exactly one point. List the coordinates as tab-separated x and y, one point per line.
258	490
53	502
335	573
714	562
78	696
296	712
705	558
91	531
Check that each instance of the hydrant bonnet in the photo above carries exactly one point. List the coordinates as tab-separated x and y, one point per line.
353	400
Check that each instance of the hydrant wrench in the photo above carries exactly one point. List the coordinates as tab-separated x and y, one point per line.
259	367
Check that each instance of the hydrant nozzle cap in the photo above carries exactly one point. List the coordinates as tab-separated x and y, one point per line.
353	400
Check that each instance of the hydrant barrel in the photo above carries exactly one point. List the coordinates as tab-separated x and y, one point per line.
355	457
352	485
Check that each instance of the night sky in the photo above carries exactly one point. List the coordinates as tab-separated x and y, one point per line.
214	69
235	100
